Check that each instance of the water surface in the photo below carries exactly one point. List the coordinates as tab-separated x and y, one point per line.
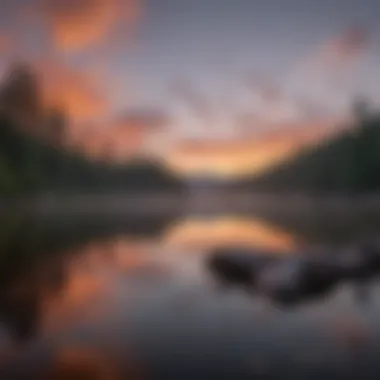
132	298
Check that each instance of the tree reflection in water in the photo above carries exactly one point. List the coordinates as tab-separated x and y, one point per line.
63	290
44	259
49	285
82	363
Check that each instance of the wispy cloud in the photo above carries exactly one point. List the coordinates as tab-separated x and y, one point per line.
314	90
76	24
131	131
6	43
327	71
343	50
244	157
125	135
271	106
265	89
194	100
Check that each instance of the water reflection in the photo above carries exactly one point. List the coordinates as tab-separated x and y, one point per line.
81	363
76	287
210	233
69	286
146	294
321	224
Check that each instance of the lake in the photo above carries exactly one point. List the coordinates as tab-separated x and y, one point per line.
129	297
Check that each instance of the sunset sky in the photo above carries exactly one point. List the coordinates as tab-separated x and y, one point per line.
263	76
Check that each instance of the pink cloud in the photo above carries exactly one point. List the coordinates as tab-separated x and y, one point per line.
125	135
338	55
346	48
6	43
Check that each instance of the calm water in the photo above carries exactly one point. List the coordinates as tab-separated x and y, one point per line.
131	298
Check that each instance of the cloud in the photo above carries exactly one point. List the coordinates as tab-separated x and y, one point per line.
250	123
265	89
76	24
144	119
314	110
322	81
130	132
239	157
270	107
193	99
317	89
126	135
5	43
329	67
344	50
72	90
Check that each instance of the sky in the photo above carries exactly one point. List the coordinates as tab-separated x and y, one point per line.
216	86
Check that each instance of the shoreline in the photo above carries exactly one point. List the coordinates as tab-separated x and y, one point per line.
189	202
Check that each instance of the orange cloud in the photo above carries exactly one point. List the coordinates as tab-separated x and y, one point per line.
124	136
73	91
127	134
143	119
80	23
229	159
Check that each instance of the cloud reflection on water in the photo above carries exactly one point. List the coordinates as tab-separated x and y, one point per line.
206	234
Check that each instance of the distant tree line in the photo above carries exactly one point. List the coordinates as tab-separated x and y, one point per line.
348	163
29	165
32	154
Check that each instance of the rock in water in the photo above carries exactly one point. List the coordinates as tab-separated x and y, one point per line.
358	262
236	265
297	279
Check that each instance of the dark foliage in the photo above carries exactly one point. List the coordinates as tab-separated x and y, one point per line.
30	165
349	163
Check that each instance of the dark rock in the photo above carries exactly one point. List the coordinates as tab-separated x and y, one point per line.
358	262
237	265
295	279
